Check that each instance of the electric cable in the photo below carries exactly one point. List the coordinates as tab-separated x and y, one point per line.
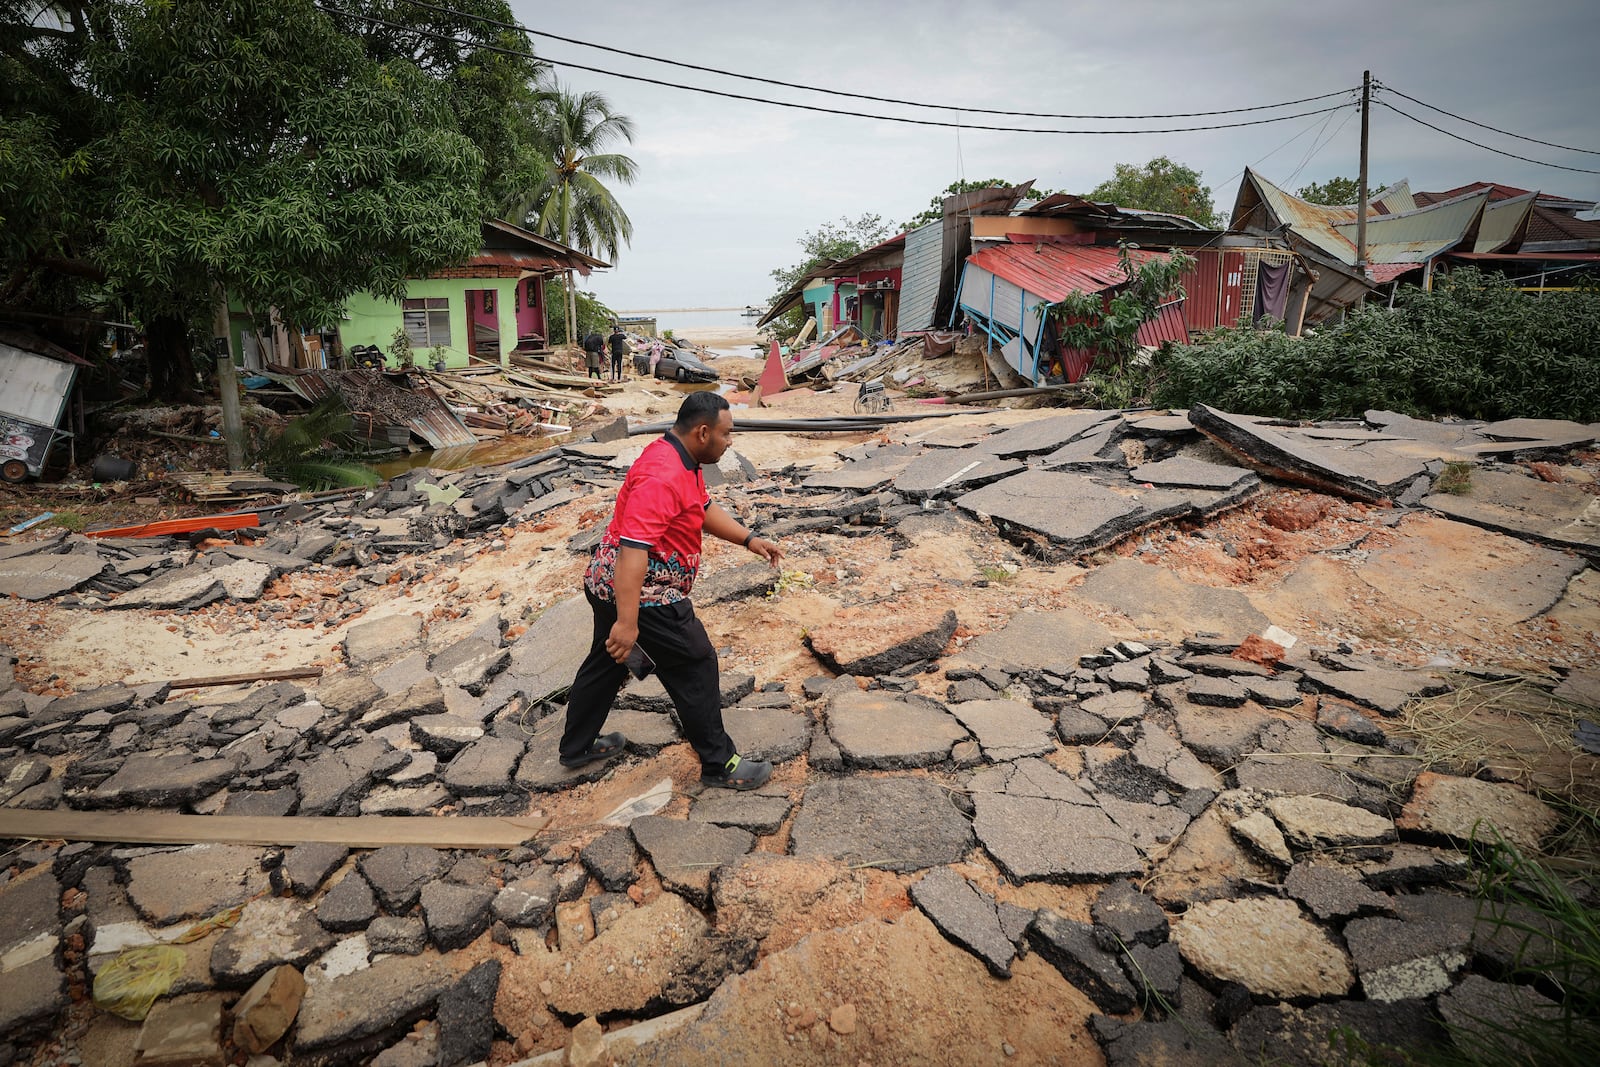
517	27
1487	148
808	107
1316	148
1486	126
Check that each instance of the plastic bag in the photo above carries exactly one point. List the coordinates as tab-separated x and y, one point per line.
131	982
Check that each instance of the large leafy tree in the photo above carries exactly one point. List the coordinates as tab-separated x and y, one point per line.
253	149
573	204
1159	185
826	244
1335	192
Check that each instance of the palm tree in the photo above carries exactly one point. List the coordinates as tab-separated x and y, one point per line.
572	205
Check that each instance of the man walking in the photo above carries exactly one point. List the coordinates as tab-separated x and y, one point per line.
619	348
638	587
593	347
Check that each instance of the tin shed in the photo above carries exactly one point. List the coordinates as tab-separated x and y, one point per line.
36	379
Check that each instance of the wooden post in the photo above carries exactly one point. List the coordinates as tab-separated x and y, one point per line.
1361	208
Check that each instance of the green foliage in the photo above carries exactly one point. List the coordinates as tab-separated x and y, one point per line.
1159	185
177	152
828	243
592	313
572	205
400	348
1474	347
1110	327
69	520
301	451
1455	479
1557	947
935	209
1336	192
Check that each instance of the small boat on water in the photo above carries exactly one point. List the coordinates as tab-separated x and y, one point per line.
750	312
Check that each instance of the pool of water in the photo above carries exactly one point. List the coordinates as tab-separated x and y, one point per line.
482	454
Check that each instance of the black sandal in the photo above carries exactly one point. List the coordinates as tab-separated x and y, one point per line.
601	748
740	774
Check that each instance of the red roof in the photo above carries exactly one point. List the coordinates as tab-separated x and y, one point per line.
1051	270
1547	225
1388	272
1496	192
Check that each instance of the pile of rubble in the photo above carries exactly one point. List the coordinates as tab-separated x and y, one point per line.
1271	862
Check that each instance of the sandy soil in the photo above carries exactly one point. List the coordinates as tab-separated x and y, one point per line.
855	943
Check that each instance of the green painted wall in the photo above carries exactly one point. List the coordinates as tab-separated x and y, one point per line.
372	321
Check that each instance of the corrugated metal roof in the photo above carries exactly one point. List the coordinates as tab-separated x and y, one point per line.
919	277
1417	236
1052	271
1504	222
434	423
496	231
1394	199
1168	325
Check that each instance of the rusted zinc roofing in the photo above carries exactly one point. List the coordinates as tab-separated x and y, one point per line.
1051	271
502	236
418	410
1413	236
1419	235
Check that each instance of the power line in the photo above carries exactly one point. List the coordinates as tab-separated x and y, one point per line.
865	96
809	107
1475	144
1316	148
1486	126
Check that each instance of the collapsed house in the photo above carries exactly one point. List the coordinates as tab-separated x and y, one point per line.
1523	234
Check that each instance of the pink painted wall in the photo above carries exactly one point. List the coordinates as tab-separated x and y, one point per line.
530	320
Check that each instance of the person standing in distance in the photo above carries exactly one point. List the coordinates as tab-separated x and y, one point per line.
593	346
638	587
619	349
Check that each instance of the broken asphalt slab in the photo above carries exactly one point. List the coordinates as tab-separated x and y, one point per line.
1561	516
1271	451
896	823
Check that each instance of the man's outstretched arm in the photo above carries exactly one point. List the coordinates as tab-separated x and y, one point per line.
721	524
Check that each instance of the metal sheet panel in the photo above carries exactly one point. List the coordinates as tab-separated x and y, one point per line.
1054	270
33	387
1417	236
435	423
1203	286
1231	303
919	278
1503	221
1168	325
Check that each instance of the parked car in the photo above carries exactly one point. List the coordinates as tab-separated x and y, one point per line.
680	366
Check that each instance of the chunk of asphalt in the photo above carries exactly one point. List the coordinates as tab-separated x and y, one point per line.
966	916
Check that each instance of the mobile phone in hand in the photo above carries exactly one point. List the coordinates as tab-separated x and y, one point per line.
639	663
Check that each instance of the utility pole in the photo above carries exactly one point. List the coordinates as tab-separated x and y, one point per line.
1361	208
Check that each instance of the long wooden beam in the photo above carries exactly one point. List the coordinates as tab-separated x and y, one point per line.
365	831
241	679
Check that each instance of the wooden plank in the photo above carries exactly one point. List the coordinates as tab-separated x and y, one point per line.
241	679
365	831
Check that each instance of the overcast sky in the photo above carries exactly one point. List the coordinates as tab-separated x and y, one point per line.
727	187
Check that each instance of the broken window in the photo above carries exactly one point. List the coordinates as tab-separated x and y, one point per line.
427	322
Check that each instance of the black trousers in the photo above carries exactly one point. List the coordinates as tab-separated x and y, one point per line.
686	663
616	366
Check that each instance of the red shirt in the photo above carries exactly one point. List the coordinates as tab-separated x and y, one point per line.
661	508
